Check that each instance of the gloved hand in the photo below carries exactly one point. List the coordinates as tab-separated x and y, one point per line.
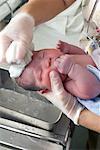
16	38
67	103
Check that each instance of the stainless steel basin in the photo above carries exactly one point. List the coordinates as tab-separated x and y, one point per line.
25	106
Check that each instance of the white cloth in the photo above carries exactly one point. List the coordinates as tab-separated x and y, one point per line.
70	20
66	26
15	70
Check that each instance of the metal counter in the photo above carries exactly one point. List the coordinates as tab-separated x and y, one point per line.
28	121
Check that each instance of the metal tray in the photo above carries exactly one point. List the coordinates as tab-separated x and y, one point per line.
27	109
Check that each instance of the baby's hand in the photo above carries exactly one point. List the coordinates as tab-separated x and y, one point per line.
66	48
64	64
63	47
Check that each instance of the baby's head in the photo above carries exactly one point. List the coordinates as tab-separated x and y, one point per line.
36	74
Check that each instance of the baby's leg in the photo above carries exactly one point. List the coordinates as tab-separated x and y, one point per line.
69	49
83	83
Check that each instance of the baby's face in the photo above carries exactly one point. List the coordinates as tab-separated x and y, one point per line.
36	73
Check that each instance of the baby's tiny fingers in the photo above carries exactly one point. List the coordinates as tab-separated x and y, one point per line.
58	46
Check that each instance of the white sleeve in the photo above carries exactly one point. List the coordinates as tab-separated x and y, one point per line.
96	57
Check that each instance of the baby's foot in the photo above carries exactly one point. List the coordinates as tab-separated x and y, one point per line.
63	47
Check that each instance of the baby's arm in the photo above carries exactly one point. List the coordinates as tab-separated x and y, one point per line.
82	83
82	60
69	49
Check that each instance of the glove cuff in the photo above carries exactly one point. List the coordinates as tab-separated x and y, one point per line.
75	112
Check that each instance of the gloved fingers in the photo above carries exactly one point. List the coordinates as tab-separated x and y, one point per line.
4	45
64	64
11	53
60	65
59	59
56	83
49	95
21	50
15	52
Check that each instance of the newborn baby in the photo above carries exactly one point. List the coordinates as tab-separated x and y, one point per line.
71	64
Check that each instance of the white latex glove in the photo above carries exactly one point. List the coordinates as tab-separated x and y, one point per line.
16	38
67	103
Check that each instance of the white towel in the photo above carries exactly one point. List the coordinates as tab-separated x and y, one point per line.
15	70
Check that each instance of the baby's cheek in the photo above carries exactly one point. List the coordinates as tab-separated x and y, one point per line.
46	78
47	83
